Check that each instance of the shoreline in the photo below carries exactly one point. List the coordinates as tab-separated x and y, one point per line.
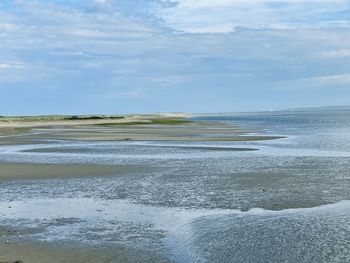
42	121
135	128
16	244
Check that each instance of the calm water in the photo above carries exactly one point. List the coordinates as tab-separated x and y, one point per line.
289	201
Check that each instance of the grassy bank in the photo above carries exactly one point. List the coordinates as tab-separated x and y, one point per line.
60	117
162	121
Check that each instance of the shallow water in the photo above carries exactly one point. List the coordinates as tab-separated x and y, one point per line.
192	205
215	235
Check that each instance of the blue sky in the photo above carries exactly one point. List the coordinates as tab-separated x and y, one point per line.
134	56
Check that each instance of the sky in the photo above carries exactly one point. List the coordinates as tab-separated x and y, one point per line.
144	56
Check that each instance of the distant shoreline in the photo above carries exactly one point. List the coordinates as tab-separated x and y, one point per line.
165	127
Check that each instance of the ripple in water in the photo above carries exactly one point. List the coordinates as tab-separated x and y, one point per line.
307	235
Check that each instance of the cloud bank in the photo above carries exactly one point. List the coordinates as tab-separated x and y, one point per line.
199	56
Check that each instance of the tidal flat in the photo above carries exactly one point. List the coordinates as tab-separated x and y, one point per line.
130	128
257	187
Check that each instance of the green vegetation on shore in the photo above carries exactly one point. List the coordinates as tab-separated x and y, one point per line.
143	119
170	121
98	120
163	121
60	117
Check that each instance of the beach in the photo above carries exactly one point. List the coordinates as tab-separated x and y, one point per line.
20	132
146	128
174	131
43	253
179	189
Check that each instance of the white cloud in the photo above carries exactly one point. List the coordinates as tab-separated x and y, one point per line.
4	66
124	94
86	33
334	54
326	82
222	16
99	46
340	79
11	65
7	26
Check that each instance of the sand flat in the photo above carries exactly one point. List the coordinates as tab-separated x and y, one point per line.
44	253
131	128
27	171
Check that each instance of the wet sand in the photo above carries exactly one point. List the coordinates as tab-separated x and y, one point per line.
13	248
30	171
44	253
200	202
35	253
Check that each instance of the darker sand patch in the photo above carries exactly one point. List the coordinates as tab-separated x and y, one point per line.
43	253
28	171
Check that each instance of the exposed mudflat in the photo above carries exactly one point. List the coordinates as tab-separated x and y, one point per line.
207	194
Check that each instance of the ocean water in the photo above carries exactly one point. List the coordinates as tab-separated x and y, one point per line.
287	201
